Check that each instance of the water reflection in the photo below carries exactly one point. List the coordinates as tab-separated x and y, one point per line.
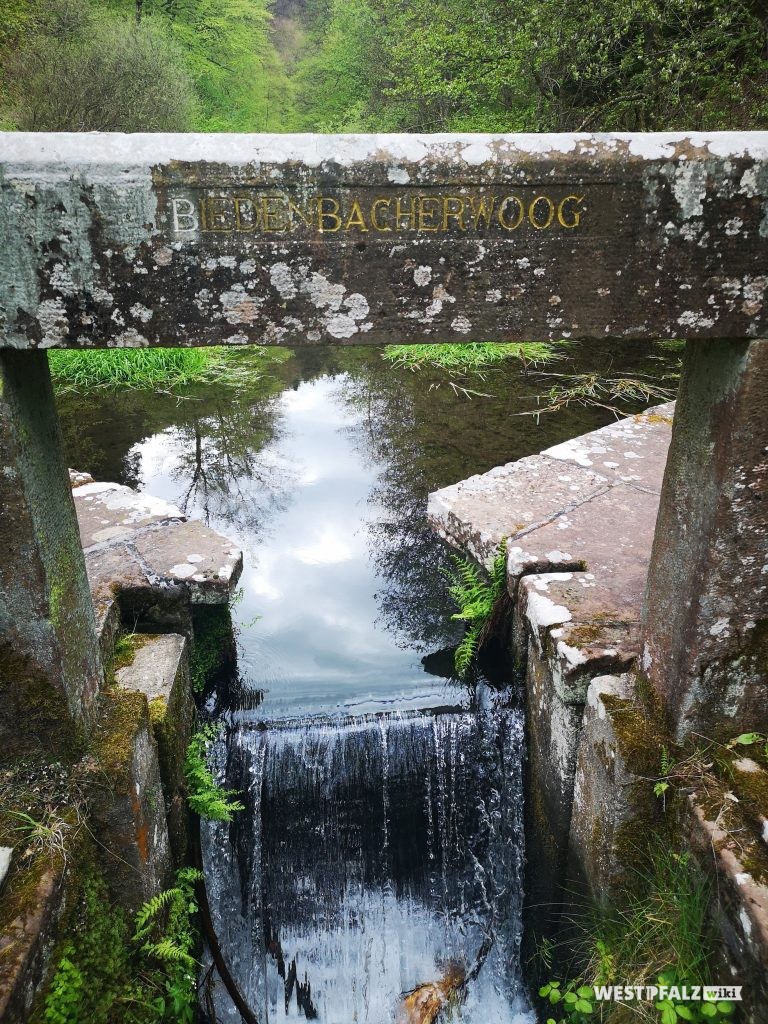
320	472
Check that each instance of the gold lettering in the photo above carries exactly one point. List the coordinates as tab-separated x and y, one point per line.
482	210
377	203
424	213
532	212
306	218
456	213
355	218
270	216
410	217
510	225
221	214
245	223
575	214
324	214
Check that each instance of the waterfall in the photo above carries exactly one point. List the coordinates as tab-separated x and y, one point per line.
373	855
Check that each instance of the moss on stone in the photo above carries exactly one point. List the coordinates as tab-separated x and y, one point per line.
126	646
584	635
752	789
21	890
640	736
121	713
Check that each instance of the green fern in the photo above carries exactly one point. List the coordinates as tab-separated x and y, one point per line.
204	796
476	598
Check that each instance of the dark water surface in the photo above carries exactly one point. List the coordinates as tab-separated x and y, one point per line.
382	838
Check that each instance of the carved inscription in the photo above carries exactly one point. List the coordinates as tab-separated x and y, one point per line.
420	212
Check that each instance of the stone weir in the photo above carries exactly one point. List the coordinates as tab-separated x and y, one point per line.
154	577
579	522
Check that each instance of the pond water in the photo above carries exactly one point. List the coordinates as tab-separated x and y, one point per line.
381	845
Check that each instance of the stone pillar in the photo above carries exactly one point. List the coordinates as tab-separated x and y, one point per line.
705	620
50	669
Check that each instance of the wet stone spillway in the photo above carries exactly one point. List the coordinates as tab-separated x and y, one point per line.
374	855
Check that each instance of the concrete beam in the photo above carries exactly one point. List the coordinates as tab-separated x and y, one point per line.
127	240
705	620
50	669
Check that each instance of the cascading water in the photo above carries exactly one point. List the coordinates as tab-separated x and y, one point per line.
375	855
375	852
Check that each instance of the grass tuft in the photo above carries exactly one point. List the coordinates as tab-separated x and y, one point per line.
464	358
82	370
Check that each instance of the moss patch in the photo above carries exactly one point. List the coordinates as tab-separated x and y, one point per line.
121	713
126	646
640	736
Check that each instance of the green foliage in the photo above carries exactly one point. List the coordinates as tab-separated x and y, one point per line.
476	598
672	1010
574	1002
164	932
167	369
103	974
439	65
77	67
750	739
661	931
85	369
204	796
472	356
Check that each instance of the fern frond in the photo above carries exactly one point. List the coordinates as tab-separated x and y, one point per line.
466	651
499	569
150	910
168	951
475	598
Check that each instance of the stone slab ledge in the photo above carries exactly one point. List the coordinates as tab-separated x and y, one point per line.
139	544
579	519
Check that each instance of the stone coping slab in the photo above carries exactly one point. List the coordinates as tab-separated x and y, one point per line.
579	520
138	544
178	239
155	665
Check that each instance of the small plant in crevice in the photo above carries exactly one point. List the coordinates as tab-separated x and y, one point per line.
105	972
164	932
48	835
205	797
477	598
660	934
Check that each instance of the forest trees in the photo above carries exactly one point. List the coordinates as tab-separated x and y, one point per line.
535	65
75	70
138	65
384	65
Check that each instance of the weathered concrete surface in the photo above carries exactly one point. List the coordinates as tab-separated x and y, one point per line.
614	808
726	849
579	519
199	239
126	802
160	671
50	670
146	561
705	628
